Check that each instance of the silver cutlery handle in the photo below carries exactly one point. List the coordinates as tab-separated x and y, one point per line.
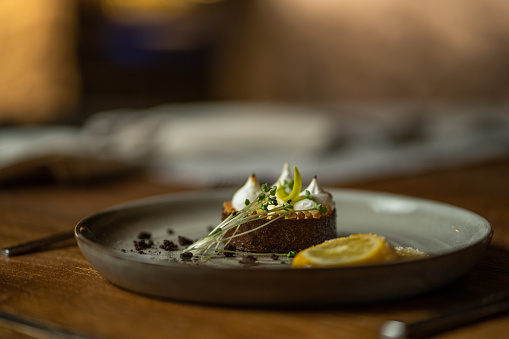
37	245
481	309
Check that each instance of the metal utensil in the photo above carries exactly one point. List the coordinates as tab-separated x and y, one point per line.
39	329
471	312
38	244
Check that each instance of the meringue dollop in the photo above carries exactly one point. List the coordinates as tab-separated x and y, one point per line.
251	190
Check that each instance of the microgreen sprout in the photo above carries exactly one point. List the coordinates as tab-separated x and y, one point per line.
320	208
270	205
216	241
288	184
216	231
291	254
309	196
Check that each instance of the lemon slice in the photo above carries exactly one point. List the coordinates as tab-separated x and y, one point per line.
357	249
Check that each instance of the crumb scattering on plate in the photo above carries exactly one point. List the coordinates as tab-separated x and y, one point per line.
144	235
183	241
169	245
142	245
186	256
248	260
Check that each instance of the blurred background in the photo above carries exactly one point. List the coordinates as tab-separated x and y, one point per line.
347	90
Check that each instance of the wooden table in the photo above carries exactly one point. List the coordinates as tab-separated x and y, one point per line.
60	288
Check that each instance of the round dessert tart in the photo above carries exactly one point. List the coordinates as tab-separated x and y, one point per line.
308	219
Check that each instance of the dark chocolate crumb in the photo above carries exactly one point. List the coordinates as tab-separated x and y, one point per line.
169	245
142	244
183	241
229	248
144	235
248	260
141	252
170	231
123	250
186	255
283	261
210	228
274	256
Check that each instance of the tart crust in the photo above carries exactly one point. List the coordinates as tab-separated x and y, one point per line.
297	232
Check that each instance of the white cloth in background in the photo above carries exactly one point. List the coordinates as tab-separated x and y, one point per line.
215	144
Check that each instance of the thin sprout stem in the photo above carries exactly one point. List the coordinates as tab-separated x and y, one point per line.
254	253
276	211
254	229
234	232
232	217
216	241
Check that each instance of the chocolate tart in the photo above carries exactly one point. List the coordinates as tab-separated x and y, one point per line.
297	232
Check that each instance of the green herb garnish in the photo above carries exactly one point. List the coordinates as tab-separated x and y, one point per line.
320	208
309	196
265	206
215	242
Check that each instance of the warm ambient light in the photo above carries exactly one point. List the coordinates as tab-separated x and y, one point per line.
133	11
39	80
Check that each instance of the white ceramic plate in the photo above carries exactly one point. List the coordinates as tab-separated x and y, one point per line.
453	237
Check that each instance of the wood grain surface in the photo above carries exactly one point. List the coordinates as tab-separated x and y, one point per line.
59	288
